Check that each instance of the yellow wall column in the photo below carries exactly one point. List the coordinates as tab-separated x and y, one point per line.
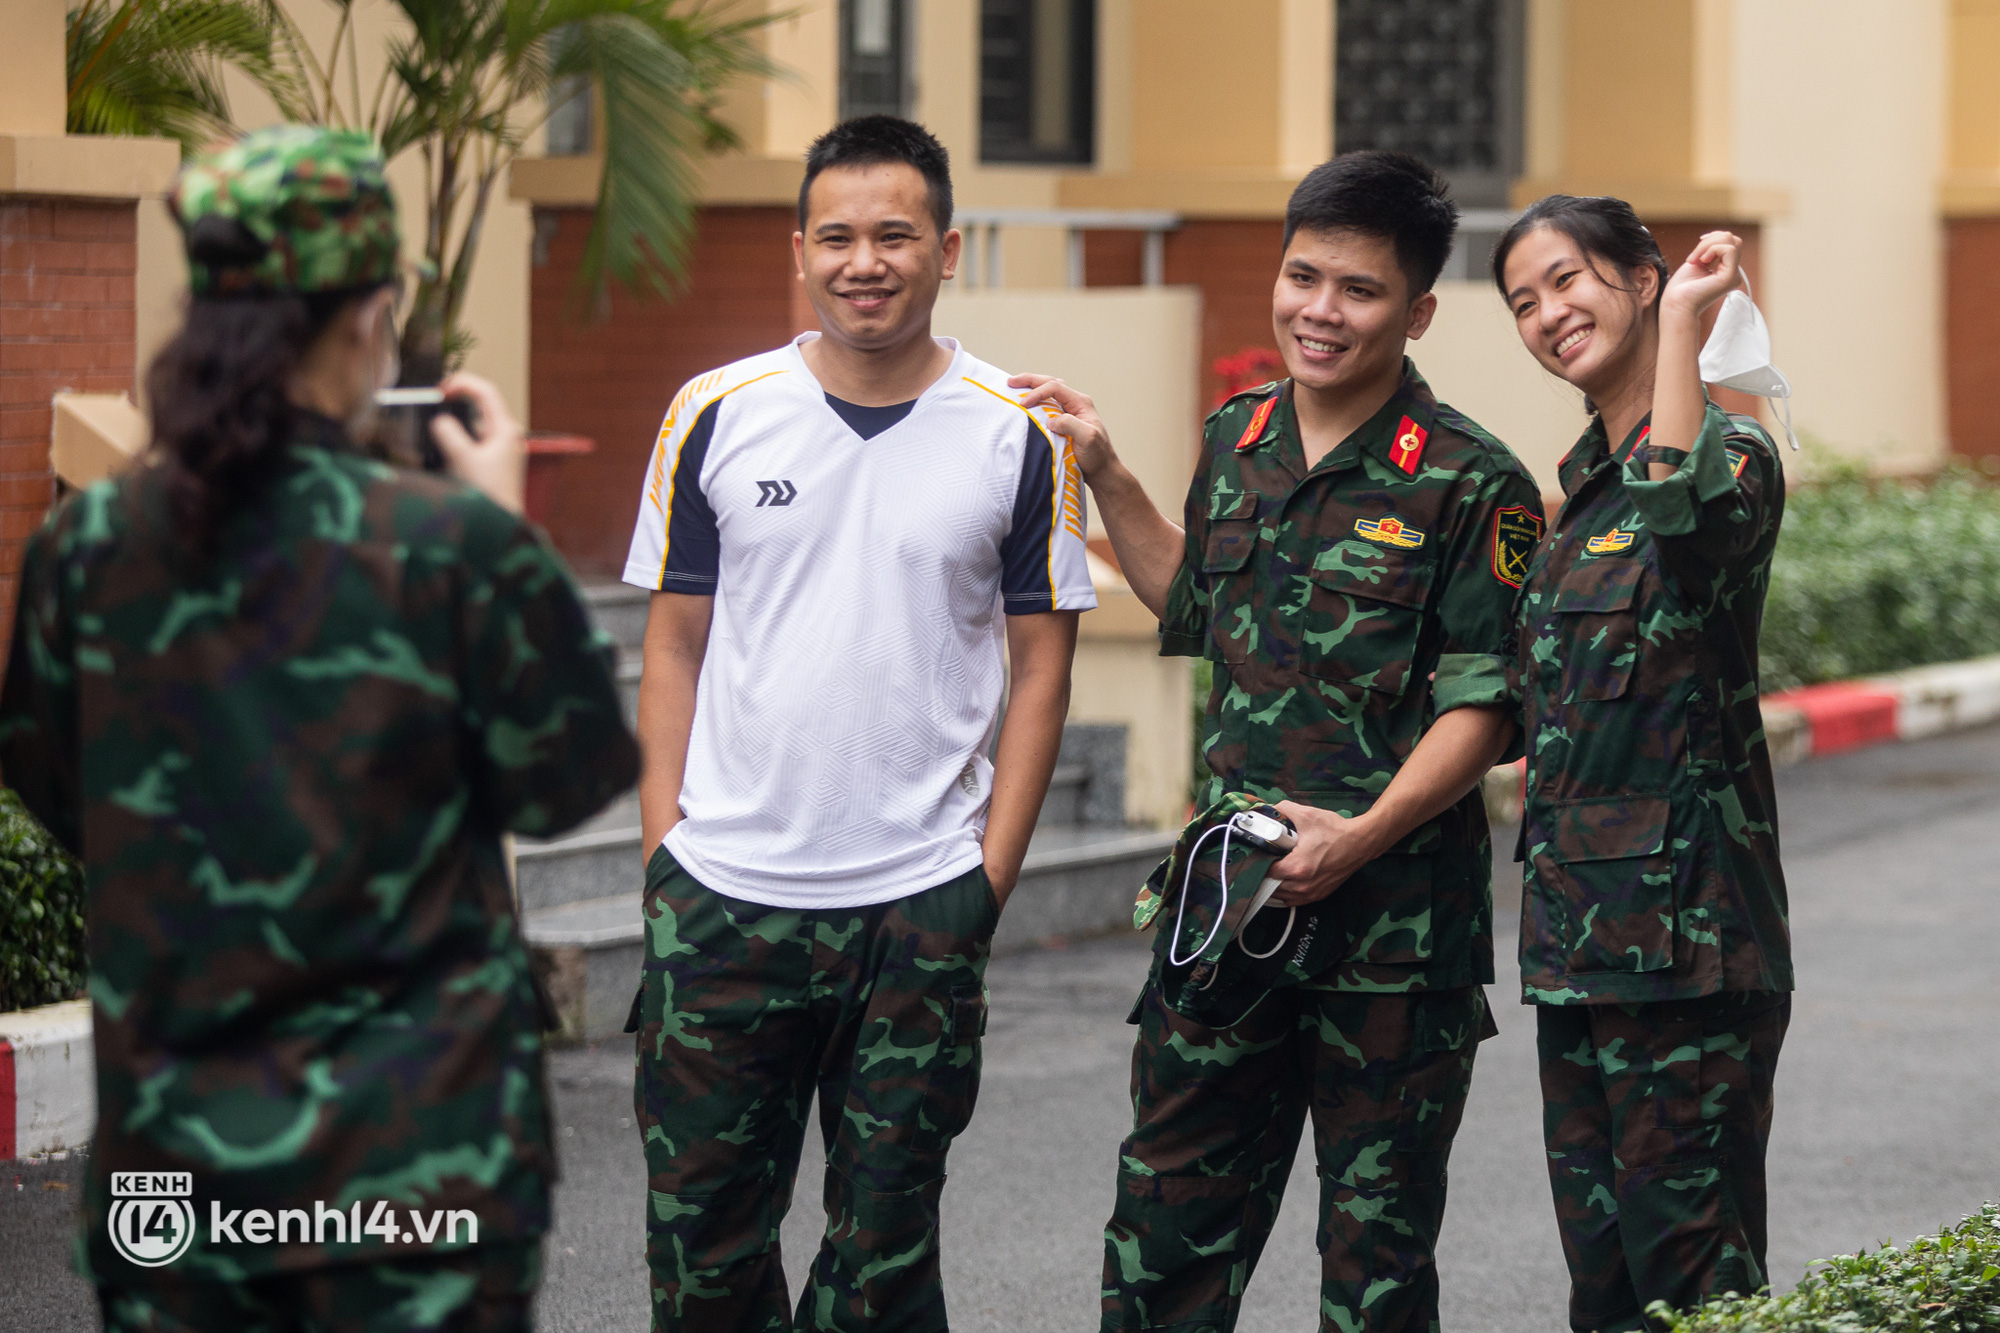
1971	184
1637	98
1226	107
32	95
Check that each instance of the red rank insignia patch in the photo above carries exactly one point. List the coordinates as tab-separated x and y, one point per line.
1256	426
1408	450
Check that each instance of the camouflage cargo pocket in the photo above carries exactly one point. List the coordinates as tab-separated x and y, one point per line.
953	1086
1231	541
1359	619
1610	858
1600	634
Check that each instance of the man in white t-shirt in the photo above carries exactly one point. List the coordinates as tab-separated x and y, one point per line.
838	534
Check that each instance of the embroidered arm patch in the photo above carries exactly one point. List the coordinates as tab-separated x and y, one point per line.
1516	530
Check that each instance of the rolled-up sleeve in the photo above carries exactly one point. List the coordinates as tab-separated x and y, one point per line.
1719	499
1472	680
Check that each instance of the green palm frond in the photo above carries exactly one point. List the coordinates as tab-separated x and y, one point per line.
465	84
661	73
155	67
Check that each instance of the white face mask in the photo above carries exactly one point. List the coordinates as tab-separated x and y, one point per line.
1737	355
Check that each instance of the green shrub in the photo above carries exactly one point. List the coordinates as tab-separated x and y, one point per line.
1874	576
1947	1283
41	913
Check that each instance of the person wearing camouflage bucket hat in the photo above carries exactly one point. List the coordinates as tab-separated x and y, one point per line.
283	701
317	201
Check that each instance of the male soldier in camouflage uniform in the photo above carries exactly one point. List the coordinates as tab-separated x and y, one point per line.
286	757
1350	560
1654	940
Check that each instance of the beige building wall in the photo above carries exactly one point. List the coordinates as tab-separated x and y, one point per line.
496	308
1143	380
1474	361
31	87
1841	103
1820	121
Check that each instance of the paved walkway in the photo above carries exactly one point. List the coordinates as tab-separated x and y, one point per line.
1886	1123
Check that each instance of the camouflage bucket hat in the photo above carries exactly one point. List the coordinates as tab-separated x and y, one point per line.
316	198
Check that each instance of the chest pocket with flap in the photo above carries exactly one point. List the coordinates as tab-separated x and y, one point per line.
1362	614
1231	541
1597	619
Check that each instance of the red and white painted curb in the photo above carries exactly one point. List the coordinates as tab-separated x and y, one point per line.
48	1080
1840	716
1904	706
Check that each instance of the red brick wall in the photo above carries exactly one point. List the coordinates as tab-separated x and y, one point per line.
1972	336
66	322
1677	241
612	378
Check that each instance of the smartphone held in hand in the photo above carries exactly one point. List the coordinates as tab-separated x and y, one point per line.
404	416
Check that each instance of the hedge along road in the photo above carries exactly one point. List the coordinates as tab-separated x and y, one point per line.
1885	1122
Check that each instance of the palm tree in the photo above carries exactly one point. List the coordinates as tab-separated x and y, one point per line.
154	67
468	81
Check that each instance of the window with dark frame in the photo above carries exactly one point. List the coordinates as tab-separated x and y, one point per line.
874	58
1037	81
1442	79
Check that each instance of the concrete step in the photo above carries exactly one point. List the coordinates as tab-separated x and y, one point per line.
1076	881
620	611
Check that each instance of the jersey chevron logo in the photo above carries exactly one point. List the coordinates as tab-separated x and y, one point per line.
776	494
1072	497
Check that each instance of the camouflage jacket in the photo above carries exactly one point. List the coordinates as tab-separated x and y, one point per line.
1344	609
1650	828
287	777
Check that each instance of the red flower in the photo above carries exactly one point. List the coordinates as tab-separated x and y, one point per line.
1246	370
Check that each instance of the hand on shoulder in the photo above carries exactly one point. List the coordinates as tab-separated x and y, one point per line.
1076	419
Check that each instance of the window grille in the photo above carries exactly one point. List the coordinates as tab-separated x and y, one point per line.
1037	80
874	58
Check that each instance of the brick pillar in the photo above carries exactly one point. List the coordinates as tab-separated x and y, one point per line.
67	270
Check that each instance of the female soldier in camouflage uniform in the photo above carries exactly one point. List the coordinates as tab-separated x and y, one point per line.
1653	932
283	701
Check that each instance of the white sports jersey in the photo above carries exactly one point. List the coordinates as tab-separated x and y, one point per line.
853	673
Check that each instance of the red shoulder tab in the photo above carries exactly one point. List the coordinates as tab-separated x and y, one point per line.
1256	426
1408	450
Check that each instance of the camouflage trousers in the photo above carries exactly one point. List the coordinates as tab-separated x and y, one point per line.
1656	1117
1217	1114
486	1289
744	1013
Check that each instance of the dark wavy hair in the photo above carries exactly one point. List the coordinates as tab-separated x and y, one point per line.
1605	229
217	389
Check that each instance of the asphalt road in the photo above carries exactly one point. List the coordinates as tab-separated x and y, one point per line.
1886	1123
